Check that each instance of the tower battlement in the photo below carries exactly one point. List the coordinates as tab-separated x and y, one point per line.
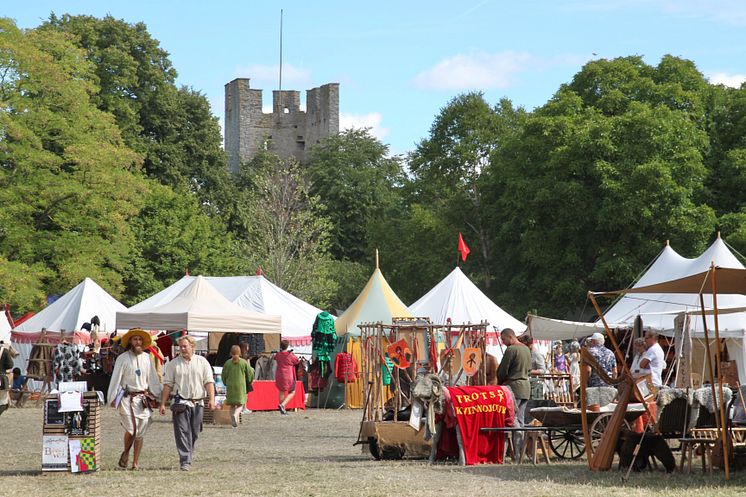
288	131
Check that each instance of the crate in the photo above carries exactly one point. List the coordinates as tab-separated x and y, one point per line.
92	412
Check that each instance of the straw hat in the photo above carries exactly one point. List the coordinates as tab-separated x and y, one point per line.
146	340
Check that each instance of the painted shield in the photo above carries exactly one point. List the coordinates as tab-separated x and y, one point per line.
400	354
450	361
471	359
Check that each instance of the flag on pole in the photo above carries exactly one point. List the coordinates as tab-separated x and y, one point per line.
462	247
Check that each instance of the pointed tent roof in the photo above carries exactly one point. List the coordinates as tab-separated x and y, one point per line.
199	307
377	302
456	297
4	328
253	293
658	310
70	311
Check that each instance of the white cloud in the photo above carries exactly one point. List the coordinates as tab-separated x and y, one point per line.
479	70
267	77
732	80
358	121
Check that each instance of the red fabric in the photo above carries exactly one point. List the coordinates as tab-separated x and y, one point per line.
462	247
265	397
475	408
345	368
166	344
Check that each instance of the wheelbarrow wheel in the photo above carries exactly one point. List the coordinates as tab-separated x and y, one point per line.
598	427
386	453
566	444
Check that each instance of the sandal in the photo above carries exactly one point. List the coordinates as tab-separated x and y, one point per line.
135	468
122	464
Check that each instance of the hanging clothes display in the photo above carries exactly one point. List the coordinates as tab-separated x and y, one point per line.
345	368
66	362
323	336
386	371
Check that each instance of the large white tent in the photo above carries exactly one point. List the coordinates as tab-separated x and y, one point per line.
457	298
659	310
199	307
253	293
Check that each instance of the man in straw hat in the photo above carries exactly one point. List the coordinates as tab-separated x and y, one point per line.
133	379
190	378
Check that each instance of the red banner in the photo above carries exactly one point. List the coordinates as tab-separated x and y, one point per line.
482	407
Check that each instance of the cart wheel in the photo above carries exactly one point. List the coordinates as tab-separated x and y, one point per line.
388	453
566	444
598	427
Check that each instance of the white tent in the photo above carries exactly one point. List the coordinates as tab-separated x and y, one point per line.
542	328
4	328
199	307
69	312
457	298
253	293
659	310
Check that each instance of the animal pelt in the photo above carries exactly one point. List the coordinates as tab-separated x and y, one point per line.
652	446
667	395
600	395
705	398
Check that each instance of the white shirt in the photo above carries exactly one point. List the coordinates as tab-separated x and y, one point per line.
188	378
134	373
654	354
636	369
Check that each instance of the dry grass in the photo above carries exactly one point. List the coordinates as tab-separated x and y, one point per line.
306	454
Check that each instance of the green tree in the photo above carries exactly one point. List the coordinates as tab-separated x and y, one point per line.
600	176
356	181
67	187
173	235
171	127
286	232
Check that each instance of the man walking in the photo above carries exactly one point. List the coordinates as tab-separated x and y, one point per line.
132	379
189	377
513	372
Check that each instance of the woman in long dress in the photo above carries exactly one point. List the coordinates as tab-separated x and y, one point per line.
237	376
285	374
573	357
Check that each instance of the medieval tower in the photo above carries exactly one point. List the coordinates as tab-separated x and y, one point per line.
287	131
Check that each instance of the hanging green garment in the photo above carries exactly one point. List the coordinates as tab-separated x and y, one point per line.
385	375
323	336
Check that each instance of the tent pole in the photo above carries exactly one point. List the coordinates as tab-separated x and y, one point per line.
723	427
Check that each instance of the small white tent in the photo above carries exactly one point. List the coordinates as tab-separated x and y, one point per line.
199	307
457	298
4	329
70	312
253	293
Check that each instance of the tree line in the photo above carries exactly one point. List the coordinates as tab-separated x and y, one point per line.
110	170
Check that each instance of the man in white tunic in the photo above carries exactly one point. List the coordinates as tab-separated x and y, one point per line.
653	358
190	378
133	376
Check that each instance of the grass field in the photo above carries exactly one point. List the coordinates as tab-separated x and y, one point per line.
307	454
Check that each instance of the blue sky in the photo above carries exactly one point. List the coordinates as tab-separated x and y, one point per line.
398	63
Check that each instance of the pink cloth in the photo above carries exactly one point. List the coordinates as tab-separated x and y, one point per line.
285	374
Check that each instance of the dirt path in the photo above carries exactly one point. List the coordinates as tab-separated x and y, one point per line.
303	454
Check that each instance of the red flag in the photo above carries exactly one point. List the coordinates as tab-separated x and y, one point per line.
462	247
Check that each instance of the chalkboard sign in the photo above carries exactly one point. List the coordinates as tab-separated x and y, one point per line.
52	416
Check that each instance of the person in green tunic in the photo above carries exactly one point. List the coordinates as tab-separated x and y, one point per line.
513	372
237	376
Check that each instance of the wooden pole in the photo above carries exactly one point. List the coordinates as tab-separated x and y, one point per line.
723	427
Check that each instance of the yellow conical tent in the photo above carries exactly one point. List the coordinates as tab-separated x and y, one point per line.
377	302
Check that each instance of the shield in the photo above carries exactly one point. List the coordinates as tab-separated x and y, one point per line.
471	359
450	361
400	354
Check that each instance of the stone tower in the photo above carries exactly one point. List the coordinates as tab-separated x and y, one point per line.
287	131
